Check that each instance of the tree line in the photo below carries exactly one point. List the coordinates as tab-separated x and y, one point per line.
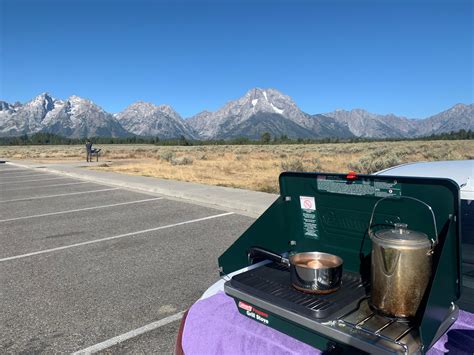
44	138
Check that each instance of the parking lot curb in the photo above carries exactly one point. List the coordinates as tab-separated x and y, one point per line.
246	202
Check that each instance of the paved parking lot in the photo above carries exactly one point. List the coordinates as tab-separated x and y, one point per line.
82	263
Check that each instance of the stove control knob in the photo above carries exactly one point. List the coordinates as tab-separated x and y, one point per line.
332	349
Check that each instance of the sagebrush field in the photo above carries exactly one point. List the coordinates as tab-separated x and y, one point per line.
254	167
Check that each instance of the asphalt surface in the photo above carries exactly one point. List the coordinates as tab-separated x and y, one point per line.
249	203
82	263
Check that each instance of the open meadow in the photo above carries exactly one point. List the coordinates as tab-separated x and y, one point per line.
254	167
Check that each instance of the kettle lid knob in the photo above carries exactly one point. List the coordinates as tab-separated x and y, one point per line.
402	227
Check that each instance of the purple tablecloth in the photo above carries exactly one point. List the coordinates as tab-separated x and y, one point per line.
214	326
459	339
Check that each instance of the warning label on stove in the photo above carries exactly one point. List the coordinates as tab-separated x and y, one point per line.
307	202
377	188
387	188
309	216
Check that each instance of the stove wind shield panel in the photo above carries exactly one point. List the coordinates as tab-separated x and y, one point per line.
330	213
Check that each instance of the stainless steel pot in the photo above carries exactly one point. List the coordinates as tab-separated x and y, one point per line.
310	272
400	267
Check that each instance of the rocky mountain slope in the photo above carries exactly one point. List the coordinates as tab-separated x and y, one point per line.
145	119
458	117
362	123
264	110
365	124
257	112
75	117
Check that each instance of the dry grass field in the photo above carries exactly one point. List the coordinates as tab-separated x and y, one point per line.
254	167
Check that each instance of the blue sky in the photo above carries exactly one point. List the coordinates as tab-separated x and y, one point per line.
413	58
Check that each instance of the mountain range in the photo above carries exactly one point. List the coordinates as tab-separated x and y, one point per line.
257	112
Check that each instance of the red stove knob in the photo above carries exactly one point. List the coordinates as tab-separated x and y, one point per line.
351	175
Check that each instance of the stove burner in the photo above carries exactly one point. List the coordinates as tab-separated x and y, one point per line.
272	283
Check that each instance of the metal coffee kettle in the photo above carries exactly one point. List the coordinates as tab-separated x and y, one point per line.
401	266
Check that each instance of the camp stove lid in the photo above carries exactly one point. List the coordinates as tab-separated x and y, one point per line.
331	213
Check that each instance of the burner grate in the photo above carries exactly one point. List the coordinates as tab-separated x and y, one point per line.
272	283
363	320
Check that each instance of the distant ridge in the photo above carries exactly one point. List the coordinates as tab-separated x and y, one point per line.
146	119
75	117
258	111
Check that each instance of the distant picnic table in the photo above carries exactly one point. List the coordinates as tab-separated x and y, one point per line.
95	152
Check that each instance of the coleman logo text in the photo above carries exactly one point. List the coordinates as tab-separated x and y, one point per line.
254	313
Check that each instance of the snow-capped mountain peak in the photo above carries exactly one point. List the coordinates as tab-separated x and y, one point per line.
75	117
43	102
255	102
146	119
268	102
169	111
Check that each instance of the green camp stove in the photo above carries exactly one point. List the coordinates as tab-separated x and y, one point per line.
330	213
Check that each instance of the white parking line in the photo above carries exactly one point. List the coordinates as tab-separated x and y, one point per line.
2	178
129	335
115	237
42	187
80	209
21	182
9	170
9	174
58	195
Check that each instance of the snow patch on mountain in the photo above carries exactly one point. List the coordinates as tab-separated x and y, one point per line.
276	109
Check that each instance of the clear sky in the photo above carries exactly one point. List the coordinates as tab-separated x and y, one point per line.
409	57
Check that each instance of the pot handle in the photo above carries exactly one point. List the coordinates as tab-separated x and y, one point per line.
433	241
264	253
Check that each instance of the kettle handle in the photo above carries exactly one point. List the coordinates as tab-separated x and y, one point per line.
433	241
